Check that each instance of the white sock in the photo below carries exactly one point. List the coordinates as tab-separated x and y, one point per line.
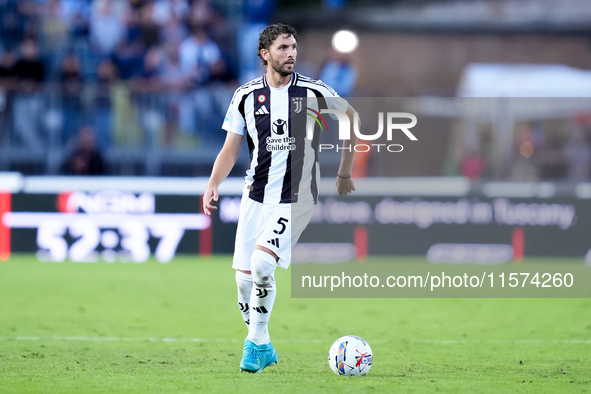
262	297
244	283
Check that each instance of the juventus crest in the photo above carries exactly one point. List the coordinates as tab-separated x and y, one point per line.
297	104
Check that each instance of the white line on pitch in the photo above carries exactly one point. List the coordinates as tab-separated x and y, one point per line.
504	342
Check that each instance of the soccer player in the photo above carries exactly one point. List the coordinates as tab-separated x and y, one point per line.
280	185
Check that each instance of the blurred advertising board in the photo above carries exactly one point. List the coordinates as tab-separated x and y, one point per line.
103	219
135	219
108	225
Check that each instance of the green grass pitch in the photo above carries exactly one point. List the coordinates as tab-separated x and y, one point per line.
156	328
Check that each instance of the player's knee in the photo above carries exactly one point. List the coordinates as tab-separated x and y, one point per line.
263	269
243	280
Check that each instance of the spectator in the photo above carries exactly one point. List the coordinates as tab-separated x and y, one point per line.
174	77
11	25
78	12
71	77
257	16
55	28
130	51
103	107
339	73
86	158
29	75
148	97
7	71
165	10
29	69
73	9
148	80
72	84
173	31
106	28
149	29
29	12
201	13
176	83
200	57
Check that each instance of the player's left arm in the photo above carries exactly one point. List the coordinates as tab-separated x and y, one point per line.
345	184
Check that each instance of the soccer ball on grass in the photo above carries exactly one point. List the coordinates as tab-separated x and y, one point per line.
350	356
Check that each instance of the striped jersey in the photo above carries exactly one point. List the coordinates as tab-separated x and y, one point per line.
282	139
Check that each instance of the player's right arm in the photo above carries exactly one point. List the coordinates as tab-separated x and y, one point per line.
221	169
234	123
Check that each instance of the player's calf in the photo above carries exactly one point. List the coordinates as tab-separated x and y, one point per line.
262	297
244	284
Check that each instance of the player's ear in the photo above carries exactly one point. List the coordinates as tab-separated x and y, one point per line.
265	54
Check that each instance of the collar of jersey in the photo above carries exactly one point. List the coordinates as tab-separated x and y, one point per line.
286	86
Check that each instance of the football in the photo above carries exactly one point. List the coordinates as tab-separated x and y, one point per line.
350	356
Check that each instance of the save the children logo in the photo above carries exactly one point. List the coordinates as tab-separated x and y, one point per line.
280	141
279	126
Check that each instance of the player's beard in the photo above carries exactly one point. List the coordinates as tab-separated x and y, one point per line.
280	68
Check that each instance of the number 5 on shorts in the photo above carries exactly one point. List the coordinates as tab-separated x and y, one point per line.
281	222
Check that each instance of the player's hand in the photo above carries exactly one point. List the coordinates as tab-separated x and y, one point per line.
345	185
211	194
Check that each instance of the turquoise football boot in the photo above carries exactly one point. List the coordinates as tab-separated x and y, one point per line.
256	358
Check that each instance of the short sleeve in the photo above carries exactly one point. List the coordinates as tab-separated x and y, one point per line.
333	100
234	121
338	103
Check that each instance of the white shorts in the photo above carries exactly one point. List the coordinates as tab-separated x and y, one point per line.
271	226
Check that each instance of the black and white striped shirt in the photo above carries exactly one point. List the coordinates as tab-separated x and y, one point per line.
283	157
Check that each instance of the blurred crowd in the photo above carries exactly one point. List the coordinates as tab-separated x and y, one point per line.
151	72
84	83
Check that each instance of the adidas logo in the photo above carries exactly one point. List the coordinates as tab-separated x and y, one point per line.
260	309
274	242
262	111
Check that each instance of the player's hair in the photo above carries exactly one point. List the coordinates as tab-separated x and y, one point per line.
271	33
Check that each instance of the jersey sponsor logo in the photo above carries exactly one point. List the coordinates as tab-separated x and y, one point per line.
262	111
279	126
262	98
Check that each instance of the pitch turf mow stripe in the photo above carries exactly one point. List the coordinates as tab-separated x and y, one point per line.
425	342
